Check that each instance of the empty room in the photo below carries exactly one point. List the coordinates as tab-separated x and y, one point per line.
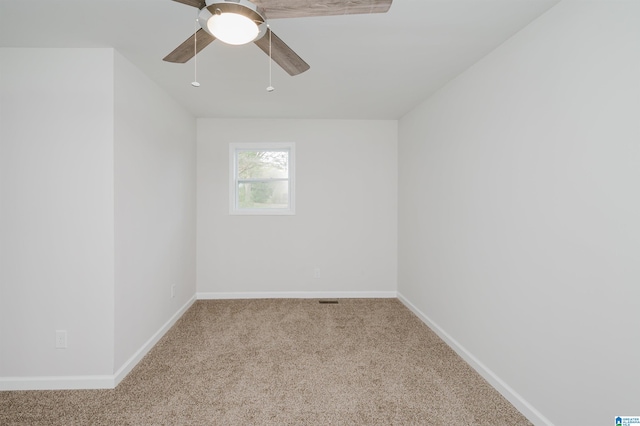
364	212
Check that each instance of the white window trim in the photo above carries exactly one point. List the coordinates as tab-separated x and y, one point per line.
233	184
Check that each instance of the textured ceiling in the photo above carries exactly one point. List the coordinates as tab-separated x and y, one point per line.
376	66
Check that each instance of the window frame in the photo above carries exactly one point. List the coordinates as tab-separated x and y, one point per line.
236	147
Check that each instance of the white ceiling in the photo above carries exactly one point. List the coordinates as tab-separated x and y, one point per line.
376	66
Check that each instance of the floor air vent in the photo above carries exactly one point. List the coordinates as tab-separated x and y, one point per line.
328	302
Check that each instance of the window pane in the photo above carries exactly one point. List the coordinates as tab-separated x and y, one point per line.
262	178
263	164
263	195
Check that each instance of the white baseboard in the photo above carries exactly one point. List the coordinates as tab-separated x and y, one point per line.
511	395
135	359
56	383
92	382
300	295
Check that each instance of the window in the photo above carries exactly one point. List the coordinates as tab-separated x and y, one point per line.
261	178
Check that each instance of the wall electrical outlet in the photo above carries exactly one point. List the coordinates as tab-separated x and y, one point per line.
173	291
316	273
61	339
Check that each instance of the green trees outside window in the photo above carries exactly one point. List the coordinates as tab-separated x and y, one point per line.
262	179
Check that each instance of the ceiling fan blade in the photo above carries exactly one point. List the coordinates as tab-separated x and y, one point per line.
185	51
302	8
282	54
195	3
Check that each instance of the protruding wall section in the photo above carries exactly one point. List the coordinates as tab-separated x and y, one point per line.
56	213
155	218
90	240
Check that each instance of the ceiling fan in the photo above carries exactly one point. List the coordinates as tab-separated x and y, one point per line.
241	21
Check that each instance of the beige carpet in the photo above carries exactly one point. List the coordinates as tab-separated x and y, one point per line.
284	362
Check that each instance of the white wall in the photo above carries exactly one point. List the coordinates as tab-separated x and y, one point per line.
56	213
155	216
97	216
518	213
346	212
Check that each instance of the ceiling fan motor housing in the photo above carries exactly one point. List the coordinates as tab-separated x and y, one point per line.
240	7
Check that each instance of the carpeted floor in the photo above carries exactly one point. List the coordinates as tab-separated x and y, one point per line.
284	362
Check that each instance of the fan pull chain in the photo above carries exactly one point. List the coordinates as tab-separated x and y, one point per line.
195	83
270	88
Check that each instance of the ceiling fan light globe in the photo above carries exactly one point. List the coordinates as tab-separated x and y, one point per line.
233	28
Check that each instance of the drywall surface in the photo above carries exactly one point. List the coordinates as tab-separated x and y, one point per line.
155	218
343	237
518	212
56	213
